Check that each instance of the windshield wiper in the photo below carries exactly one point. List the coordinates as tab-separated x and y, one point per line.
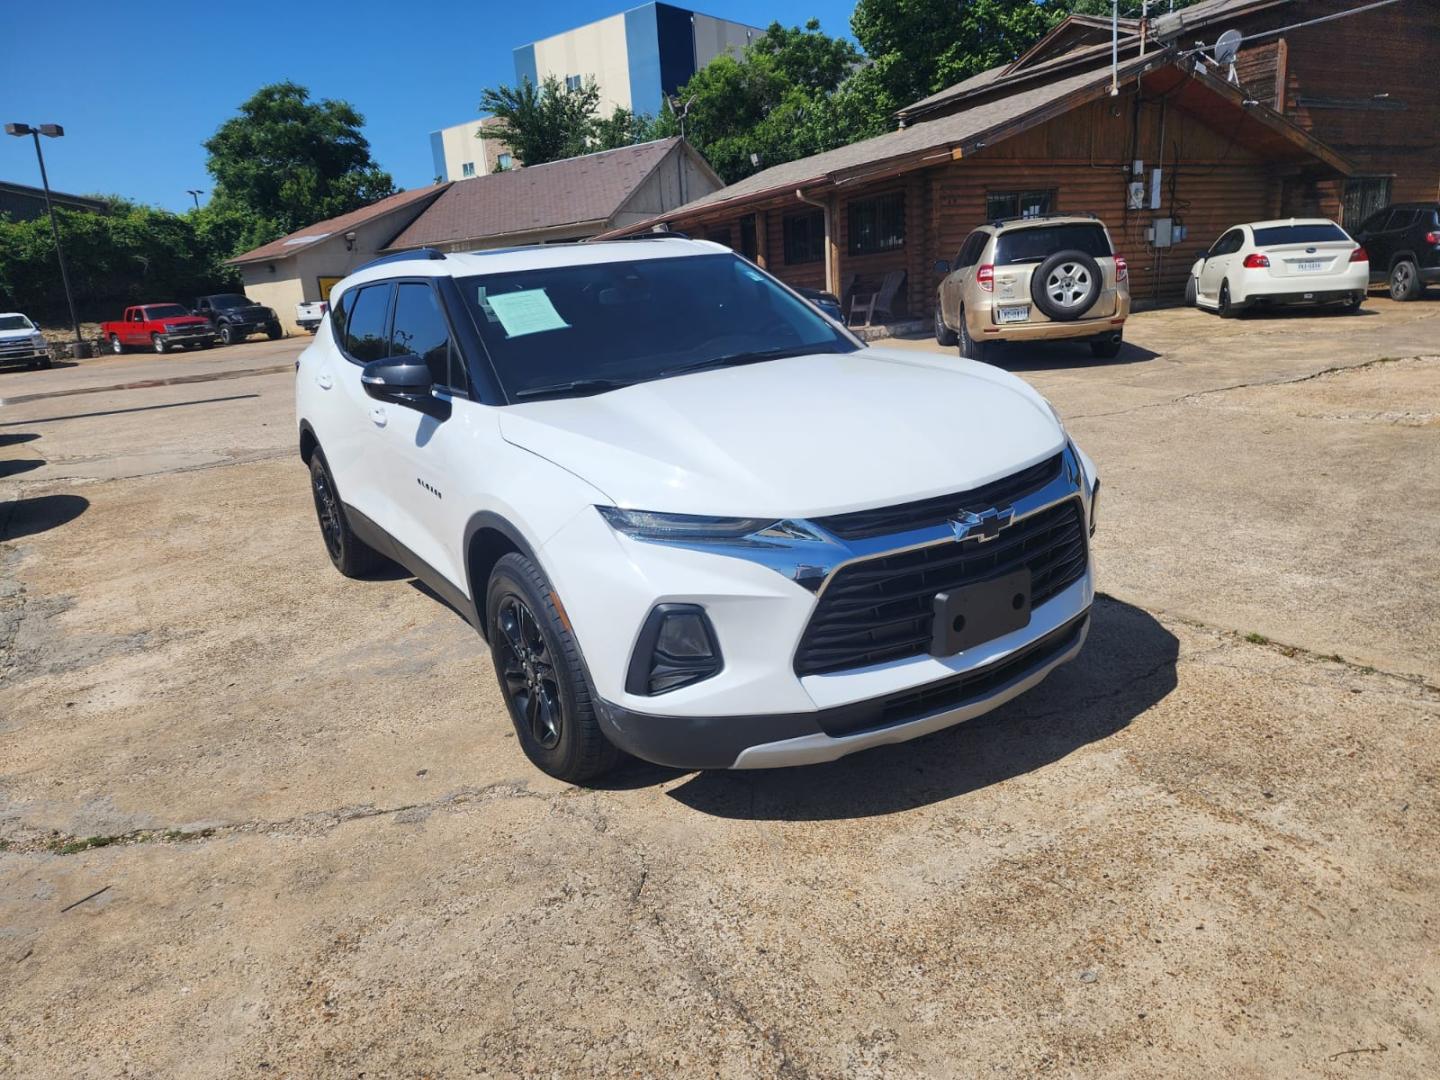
736	359
573	387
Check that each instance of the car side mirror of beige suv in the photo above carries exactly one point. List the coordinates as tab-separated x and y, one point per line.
942	266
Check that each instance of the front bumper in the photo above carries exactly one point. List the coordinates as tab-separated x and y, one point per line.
25	355
181	337
775	741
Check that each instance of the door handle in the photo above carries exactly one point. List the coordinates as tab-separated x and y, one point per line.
377	416
324	380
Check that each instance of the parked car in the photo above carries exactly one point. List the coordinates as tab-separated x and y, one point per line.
21	341
1404	245
1275	263
1054	277
160	327
696	520
310	314
235	317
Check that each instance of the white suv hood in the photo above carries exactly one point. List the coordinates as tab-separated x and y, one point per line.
800	437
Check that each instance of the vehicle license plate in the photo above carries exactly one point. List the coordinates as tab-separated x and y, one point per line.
973	614
1012	314
1310	266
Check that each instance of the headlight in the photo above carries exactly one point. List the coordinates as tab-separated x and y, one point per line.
647	525
38	340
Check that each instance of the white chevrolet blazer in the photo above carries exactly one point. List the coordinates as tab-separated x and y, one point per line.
696	520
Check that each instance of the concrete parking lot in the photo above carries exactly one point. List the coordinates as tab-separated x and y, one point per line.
260	820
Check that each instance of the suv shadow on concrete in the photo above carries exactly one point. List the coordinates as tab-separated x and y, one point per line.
26	517
1128	665
1052	355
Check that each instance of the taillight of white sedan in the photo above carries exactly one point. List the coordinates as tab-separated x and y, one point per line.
1274	263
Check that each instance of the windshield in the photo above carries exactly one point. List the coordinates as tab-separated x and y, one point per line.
165	311
15	322
1037	244
1300	234
586	329
230	300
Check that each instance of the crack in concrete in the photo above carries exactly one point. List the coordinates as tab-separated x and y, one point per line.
1338	369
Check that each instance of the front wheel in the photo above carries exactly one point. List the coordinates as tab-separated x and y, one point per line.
228	335
273	331
943	334
158	343
1191	290
115	346
1405	281
541	675
969	347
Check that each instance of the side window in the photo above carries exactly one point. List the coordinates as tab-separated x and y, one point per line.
421	331
1399	219
365	331
340	316
1229	243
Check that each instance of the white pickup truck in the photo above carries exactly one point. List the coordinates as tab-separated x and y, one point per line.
310	314
21	341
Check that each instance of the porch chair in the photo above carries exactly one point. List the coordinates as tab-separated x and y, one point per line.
882	301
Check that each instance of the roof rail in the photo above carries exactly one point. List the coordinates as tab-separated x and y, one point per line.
1001	221
658	234
401	256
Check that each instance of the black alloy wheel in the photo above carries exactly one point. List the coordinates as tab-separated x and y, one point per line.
1226	308
1404	281
531	685
349	554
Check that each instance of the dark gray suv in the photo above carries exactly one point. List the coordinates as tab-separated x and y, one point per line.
1403	241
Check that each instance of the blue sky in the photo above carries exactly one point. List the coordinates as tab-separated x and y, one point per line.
140	86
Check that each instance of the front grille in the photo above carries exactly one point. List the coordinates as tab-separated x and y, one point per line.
958	690
18	348
881	609
862	524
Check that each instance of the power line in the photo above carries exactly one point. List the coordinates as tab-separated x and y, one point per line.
1296	26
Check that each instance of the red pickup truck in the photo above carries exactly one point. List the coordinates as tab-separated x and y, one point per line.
160	327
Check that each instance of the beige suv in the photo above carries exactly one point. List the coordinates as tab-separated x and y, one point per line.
1034	279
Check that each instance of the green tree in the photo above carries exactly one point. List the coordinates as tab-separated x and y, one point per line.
286	162
625	128
794	91
543	123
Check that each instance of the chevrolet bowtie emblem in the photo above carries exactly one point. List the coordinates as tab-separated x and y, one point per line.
981	527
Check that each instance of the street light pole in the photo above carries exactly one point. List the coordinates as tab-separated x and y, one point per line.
195	194
52	131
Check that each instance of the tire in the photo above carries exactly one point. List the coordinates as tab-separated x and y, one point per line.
944	336
542	677
228	335
158	344
1066	285
207	344
1351	306
45	364
1106	348
115	345
1226	309
1405	281
969	347
350	555
273	332
1191	290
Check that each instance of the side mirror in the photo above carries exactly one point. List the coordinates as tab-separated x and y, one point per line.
403	380
942	266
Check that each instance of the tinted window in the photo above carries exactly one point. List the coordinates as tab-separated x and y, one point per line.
365	337
974	244
1299	234
643	319
420	330
1228	244
340	315
1037	244
1399	219
165	311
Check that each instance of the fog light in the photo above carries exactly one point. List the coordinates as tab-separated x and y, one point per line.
676	648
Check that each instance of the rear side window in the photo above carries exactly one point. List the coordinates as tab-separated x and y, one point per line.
421	331
1038	244
340	315
1300	234
365	336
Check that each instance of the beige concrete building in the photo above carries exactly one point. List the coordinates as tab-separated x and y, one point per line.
304	265
460	154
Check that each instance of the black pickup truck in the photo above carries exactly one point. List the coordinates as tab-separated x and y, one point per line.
235	317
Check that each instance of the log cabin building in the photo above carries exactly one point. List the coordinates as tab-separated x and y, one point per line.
1334	118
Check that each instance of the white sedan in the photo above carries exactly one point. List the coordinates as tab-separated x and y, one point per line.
1296	261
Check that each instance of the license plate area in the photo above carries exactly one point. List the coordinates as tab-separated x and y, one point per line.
1310	266
1012	313
974	614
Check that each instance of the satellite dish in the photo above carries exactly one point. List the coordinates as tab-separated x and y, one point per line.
1227	47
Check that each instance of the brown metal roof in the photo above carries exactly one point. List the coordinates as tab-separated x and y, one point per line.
297	241
590	188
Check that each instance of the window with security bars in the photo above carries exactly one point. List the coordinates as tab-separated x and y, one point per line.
1363	196
877	224
1014	204
804	238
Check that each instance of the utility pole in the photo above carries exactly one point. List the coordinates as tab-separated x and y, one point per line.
52	131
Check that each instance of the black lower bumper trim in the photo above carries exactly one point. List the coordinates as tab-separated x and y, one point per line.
1328	296
714	742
